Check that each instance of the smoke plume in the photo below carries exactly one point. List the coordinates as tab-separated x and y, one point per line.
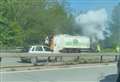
94	24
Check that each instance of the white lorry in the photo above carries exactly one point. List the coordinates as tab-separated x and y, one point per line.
69	44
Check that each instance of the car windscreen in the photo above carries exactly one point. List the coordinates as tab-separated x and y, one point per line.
39	49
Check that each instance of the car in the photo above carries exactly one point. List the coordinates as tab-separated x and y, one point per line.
36	49
118	67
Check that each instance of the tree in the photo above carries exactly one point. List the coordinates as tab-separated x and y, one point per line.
115	26
9	29
30	21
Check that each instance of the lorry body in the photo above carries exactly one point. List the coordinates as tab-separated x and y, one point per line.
70	44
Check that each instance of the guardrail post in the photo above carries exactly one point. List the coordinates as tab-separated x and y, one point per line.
78	57
55	58
101	59
48	58
61	58
115	58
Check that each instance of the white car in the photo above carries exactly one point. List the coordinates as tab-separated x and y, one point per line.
39	49
36	49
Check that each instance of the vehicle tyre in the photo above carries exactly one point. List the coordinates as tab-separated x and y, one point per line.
34	60
58	59
23	60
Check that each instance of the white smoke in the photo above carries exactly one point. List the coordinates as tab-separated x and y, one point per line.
94	24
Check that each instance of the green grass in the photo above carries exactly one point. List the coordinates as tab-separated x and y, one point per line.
108	50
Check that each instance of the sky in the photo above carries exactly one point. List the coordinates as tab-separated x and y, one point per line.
86	5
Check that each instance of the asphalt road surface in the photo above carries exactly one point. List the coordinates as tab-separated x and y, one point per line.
17	61
12	62
95	73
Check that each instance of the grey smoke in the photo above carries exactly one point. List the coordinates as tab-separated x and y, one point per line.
94	24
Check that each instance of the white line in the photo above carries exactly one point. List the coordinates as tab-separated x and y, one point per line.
59	68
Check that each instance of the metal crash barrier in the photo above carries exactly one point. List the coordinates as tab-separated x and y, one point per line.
57	55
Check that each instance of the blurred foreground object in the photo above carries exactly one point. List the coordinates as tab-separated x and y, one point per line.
118	67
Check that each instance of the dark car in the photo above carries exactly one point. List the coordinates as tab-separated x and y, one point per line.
118	67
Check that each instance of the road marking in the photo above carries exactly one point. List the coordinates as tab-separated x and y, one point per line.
60	68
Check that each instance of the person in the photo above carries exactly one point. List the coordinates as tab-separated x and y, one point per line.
47	40
117	49
52	43
98	48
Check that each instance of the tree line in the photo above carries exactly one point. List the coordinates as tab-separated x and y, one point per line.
27	22
30	21
114	24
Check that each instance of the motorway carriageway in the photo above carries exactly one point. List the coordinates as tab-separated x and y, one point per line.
85	73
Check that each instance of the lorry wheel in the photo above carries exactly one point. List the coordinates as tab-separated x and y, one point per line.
34	60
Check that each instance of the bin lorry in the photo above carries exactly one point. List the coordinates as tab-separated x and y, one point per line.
70	44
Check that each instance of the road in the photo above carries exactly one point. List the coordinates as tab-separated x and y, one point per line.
87	73
17	62
12	62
